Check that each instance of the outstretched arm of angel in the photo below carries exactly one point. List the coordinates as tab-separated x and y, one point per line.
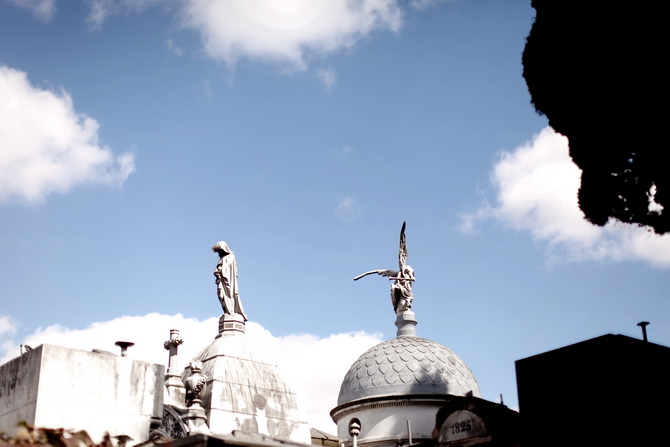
391	273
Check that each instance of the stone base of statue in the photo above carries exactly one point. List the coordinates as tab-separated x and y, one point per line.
406	323
234	323
174	390
196	419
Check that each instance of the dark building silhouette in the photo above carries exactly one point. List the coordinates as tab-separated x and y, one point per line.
607	391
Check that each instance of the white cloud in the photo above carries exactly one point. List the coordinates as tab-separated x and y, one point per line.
347	209
46	146
44	10
654	206
537	186
287	32
312	367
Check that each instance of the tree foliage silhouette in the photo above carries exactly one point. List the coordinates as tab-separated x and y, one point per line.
596	69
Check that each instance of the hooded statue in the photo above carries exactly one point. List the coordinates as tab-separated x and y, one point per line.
226	281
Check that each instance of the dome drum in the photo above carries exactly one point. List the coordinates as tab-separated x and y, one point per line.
385	421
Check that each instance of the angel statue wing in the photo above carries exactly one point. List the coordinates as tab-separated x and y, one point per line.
390	273
402	253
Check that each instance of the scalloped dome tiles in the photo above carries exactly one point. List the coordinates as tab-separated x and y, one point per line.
407	365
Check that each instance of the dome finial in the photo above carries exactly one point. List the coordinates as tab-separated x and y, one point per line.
401	289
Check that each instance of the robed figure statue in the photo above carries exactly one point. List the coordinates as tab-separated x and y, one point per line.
226	281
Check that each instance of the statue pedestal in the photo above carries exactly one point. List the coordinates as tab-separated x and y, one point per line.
406	324
174	390
196	419
231	323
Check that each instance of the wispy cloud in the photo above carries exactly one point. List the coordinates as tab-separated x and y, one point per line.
174	48
99	11
537	186
327	76
342	152
43	10
299	357
7	325
347	209
422	5
207	89
8	328
46	146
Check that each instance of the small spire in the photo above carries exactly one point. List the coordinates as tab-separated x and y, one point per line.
643	325
124	345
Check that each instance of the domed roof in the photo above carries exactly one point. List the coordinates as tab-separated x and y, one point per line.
242	392
407	365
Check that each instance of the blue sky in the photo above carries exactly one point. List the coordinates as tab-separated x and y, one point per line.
136	134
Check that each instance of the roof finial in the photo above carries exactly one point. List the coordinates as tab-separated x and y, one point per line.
401	289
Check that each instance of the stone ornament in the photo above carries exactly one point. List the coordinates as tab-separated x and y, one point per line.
226	281
172	425
401	289
194	384
174	341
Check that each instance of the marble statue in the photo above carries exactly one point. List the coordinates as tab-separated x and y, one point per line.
401	289
226	281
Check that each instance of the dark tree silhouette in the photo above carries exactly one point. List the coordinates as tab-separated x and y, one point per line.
597	70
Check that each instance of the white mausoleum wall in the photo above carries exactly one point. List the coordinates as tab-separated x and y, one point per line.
57	387
19	379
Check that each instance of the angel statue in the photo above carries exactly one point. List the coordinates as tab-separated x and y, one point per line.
401	289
